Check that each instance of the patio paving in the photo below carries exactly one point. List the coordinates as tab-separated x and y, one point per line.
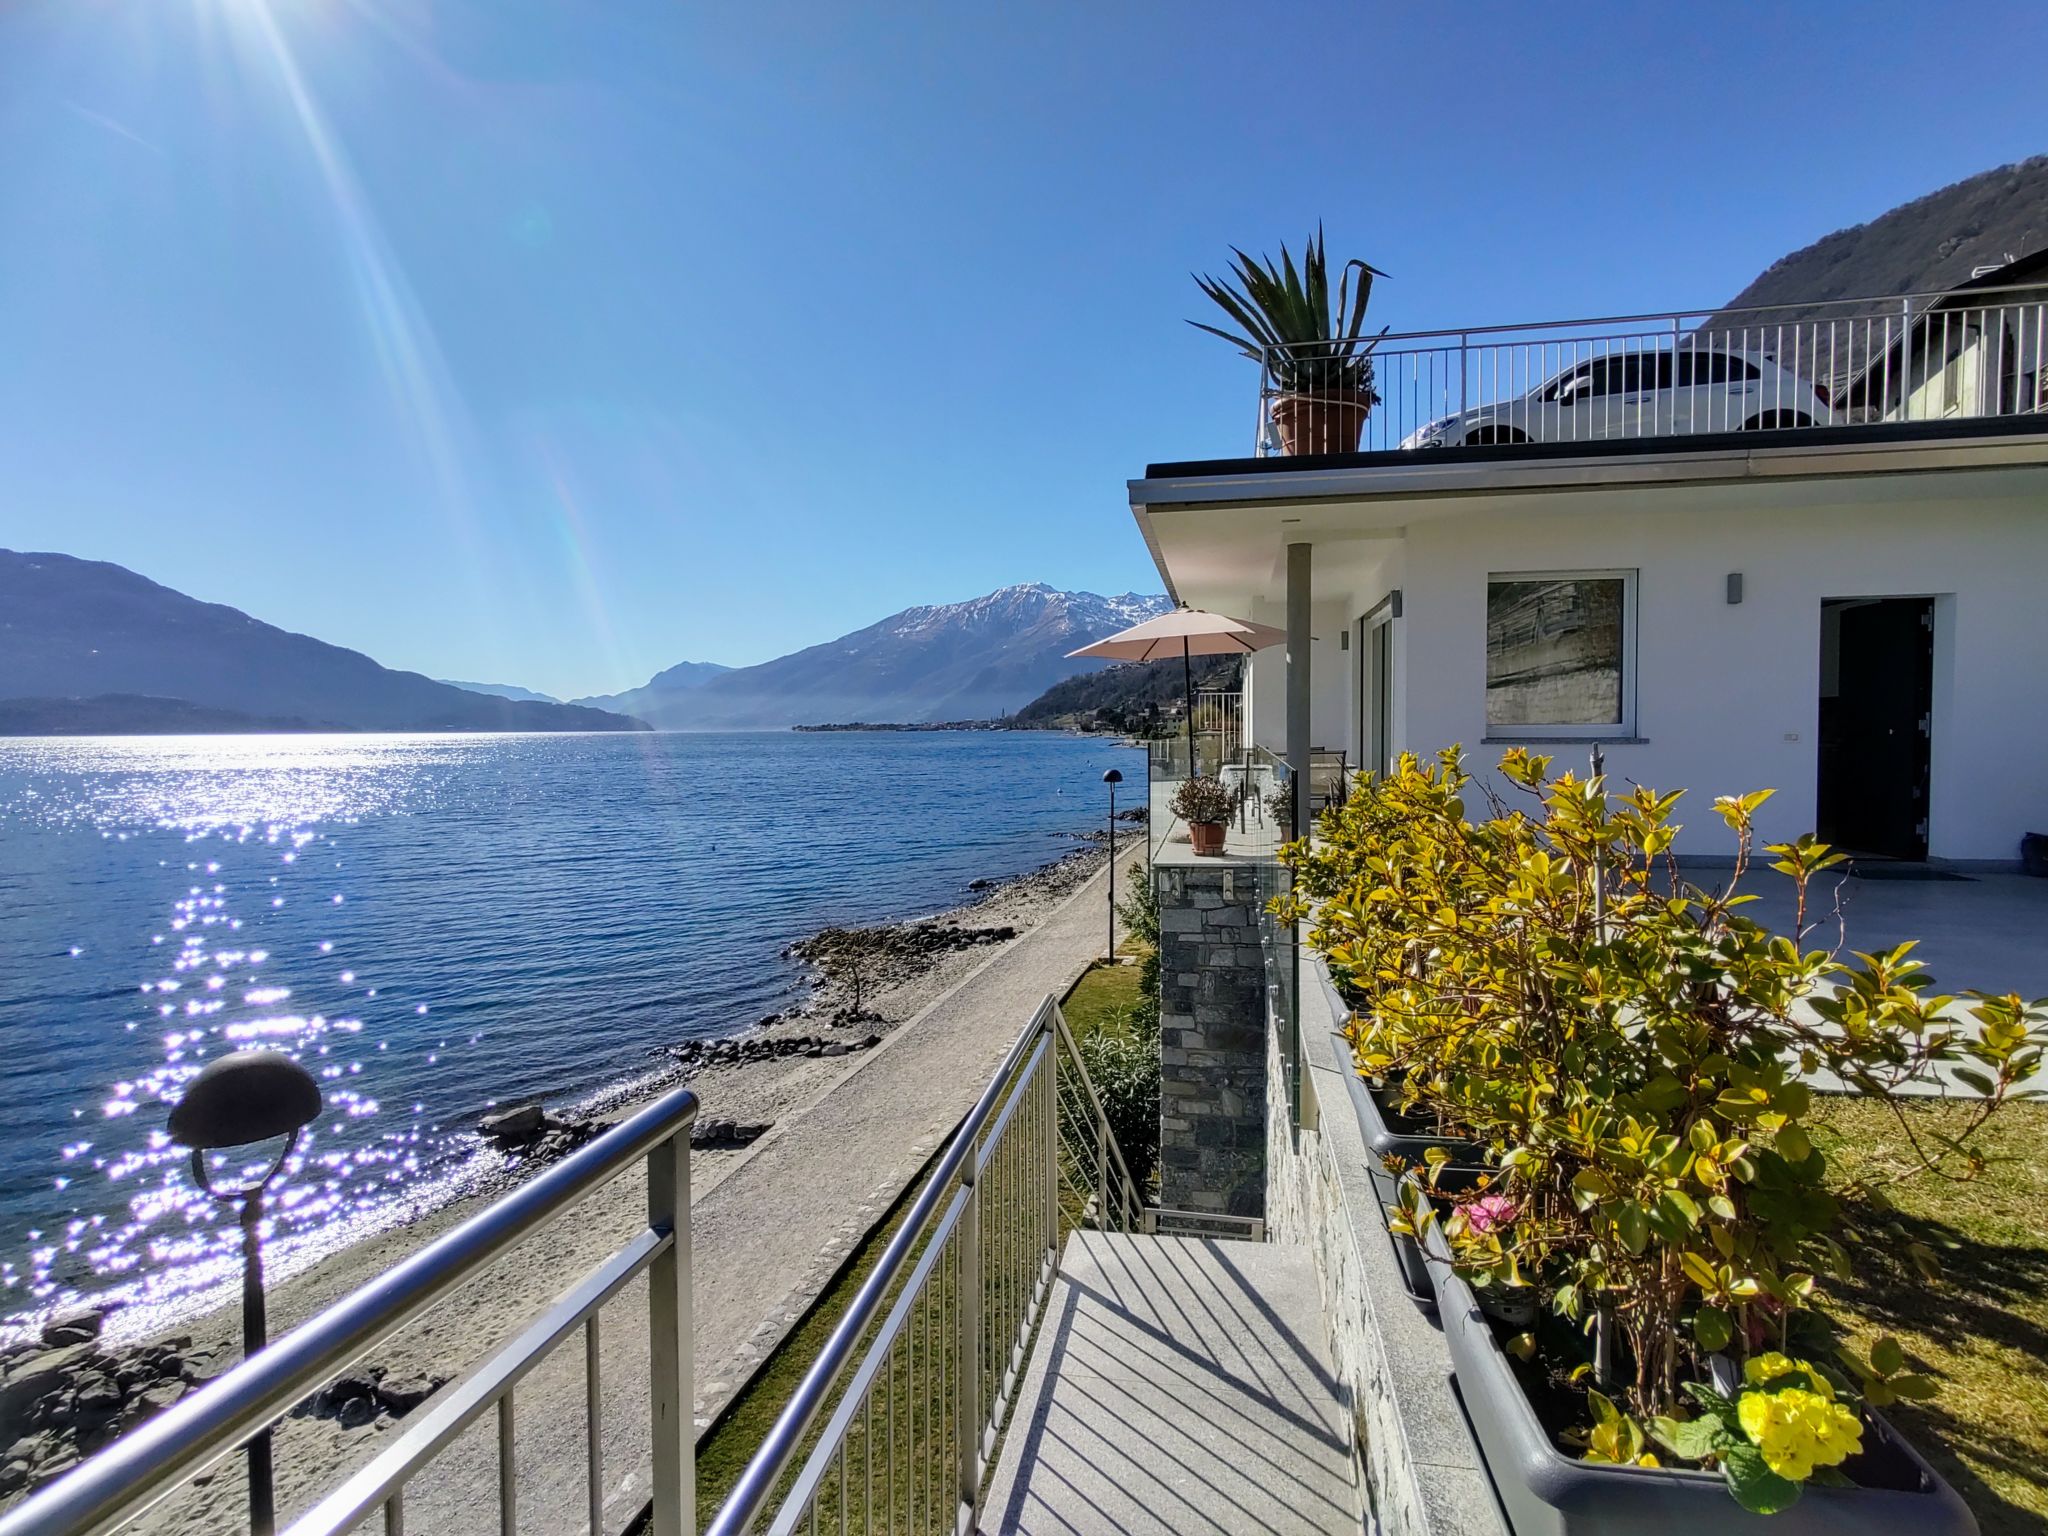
1988	931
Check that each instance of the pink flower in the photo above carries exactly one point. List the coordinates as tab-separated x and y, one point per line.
1489	1213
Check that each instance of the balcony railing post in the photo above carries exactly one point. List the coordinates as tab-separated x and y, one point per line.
672	1367
1102	1216
967	1378
1265	383
1052	1137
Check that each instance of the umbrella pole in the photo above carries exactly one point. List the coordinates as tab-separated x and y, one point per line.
1187	680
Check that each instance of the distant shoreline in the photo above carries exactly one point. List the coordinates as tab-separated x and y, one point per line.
136	714
947	725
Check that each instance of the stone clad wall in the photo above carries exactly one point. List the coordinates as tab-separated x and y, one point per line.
1212	1034
1422	1474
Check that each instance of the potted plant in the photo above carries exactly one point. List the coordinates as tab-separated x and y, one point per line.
1205	805
1632	1052
1316	356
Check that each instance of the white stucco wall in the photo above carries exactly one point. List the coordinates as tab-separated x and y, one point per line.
1728	695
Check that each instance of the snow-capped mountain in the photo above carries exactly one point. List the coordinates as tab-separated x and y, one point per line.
974	660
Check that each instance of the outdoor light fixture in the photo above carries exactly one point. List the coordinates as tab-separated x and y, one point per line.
1734	587
237	1101
1112	778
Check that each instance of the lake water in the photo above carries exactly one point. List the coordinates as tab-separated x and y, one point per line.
432	924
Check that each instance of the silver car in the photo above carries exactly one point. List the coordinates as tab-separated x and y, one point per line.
1641	394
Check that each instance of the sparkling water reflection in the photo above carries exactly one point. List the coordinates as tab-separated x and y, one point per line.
432	925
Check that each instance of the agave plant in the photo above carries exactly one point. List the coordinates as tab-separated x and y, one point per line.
1288	323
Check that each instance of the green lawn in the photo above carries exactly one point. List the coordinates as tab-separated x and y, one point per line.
723	1454
1099	997
1982	1331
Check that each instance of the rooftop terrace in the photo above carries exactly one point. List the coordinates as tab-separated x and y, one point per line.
1972	353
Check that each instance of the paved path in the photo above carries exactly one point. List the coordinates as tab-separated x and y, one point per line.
828	1174
768	1236
1180	1386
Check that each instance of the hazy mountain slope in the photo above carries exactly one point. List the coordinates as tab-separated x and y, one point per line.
1929	244
1127	692
680	678
84	629
953	661
503	691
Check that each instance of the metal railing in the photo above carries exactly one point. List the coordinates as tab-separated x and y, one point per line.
152	1462
895	1426
1966	353
1219	723
1280	952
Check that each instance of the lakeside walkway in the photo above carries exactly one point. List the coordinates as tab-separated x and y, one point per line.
768	1235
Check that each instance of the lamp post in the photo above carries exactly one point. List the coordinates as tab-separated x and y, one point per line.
1112	778
247	1097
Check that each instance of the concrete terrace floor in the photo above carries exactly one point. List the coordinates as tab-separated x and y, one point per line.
1251	835
1182	1386
1986	931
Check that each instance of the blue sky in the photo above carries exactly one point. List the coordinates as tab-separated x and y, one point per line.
553	343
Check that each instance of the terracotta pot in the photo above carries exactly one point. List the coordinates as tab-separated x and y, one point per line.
1327	421
1207	836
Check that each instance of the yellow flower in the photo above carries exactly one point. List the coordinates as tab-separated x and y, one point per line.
1769	1367
1798	1430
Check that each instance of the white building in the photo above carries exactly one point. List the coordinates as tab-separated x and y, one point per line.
1852	613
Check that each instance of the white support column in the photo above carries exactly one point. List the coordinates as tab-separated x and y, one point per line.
1299	737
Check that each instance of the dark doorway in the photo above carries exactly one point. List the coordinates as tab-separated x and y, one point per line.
1876	703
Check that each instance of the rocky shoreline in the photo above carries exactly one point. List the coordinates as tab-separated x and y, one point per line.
70	1392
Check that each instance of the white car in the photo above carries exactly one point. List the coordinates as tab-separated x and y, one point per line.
1641	394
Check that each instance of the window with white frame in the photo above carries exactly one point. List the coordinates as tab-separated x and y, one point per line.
1560	653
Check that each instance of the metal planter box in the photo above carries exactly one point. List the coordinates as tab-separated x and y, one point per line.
1547	1493
1382	1141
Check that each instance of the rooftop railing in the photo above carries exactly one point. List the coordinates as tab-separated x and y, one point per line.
1965	353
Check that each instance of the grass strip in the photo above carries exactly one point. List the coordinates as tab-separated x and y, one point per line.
1982	1329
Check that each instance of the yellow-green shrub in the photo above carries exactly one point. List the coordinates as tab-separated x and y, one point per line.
1638	1057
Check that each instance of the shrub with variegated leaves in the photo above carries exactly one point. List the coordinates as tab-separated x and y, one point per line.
1640	1060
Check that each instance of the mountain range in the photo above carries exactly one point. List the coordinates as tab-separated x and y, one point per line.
85	645
89	648
504	691
974	660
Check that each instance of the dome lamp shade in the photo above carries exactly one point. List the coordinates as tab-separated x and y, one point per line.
245	1097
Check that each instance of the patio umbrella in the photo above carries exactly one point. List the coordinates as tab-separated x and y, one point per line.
1187	633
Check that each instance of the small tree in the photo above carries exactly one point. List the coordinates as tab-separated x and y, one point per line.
848	957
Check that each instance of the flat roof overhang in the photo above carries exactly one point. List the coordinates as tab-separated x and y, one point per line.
1218	529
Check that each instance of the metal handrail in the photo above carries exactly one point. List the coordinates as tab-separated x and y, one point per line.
750	1493
1098	1116
153	1460
947	1210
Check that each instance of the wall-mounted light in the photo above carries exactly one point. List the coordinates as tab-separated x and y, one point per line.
1734	587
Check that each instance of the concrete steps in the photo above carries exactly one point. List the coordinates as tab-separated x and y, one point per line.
1178	1385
